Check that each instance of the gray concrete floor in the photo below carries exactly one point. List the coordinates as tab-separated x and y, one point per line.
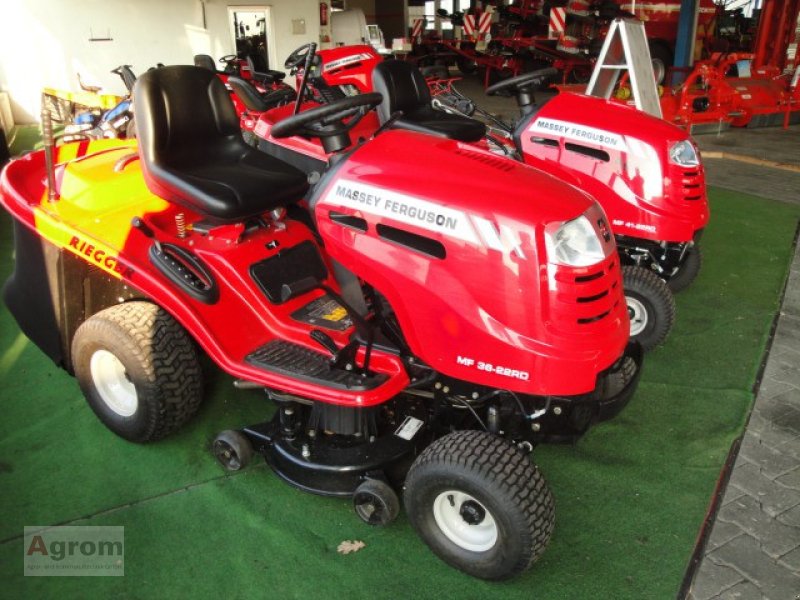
773	145
768	182
761	161
753	550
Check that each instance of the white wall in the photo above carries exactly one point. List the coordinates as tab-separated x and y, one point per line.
43	43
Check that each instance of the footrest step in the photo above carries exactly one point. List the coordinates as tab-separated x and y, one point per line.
286	358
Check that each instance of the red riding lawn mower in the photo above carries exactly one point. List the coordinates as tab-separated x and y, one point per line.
265	86
645	173
421	314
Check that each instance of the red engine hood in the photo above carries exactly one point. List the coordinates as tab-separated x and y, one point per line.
459	175
455	238
621	156
612	116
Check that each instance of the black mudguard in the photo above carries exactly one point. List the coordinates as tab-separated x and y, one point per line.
51	292
31	293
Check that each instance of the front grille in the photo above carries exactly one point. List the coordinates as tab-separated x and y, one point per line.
586	296
693	184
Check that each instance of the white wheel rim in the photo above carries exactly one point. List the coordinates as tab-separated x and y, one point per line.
110	381
478	537
637	314
659	70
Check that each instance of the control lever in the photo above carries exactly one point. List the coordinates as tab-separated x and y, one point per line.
389	122
299	287
348	353
310	54
344	357
324	340
138	223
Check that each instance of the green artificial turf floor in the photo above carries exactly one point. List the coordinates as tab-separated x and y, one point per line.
630	497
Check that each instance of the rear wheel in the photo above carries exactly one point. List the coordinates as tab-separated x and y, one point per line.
138	369
687	271
651	306
580	74
661	57
466	64
480	504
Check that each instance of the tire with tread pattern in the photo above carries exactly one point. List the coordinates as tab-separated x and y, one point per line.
153	354
499	483
688	270
651	306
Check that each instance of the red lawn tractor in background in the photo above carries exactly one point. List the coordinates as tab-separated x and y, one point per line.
420	311
266	86
646	173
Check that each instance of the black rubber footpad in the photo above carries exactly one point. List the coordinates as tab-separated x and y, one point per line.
301	363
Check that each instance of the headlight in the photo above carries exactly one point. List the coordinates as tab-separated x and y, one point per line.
574	243
684	154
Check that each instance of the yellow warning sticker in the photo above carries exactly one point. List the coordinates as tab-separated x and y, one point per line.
337	314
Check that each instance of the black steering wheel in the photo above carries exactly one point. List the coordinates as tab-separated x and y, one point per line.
228	58
521	82
298	57
328	120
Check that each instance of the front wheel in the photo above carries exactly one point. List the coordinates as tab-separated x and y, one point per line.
687	271
651	306
480	504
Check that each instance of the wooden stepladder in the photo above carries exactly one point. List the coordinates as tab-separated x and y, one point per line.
626	49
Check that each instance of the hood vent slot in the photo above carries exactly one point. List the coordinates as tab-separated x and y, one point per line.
419	243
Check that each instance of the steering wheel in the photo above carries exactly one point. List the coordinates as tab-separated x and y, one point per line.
327	120
228	58
520	82
298	57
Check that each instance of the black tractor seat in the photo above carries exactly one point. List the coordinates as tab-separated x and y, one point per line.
404	89
192	151
205	61
260	72
256	101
